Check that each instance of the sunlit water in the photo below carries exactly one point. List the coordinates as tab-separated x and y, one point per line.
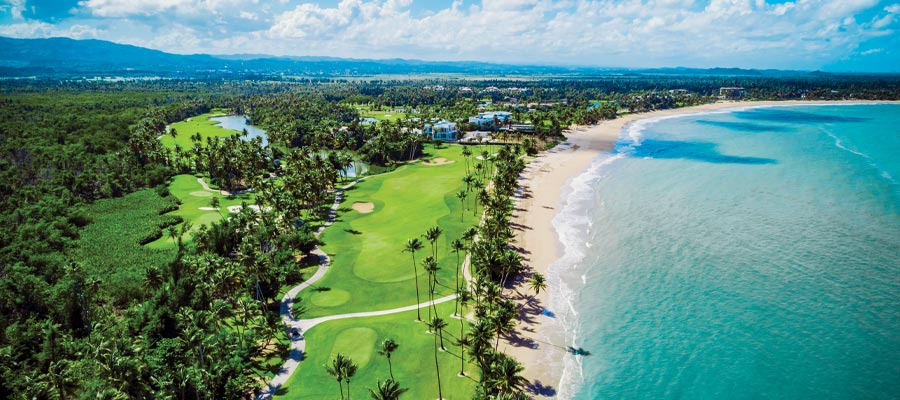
752	254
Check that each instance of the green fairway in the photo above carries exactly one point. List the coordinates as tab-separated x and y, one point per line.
369	270
389	116
199	124
360	339
193	199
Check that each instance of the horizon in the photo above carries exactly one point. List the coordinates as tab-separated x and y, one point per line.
807	35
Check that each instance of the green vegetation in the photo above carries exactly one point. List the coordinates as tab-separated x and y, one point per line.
180	133
110	247
360	339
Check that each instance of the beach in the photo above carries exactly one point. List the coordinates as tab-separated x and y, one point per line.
539	342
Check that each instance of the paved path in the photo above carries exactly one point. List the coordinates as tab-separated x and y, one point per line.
206	186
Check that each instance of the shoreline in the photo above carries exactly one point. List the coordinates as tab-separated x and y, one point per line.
539	341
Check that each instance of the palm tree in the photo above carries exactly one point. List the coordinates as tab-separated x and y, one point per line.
505	376
463	341
432	235
336	369
214	203
412	246
466	152
458	246
387	390
503	319
461	195
437	325
388	346
348	370
537	283
480	336
437	366
430	265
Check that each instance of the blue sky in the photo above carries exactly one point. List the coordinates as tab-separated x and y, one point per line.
833	35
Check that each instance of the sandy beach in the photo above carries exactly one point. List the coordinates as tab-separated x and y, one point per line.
539	343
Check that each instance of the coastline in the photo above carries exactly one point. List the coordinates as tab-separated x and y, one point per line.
539	341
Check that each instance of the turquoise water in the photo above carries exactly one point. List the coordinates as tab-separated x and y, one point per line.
752	254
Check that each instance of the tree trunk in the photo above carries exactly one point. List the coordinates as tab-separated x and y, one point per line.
416	275
437	368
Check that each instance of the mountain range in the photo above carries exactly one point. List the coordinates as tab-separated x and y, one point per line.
64	57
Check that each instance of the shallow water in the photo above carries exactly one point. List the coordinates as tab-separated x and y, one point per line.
745	254
239	123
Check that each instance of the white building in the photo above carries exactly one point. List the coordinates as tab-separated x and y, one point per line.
443	130
490	119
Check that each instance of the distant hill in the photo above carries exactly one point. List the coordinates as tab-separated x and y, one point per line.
66	57
69	55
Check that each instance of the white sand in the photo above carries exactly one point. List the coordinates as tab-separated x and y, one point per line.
437	161
363	207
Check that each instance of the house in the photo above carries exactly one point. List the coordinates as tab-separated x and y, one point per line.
490	119
732	92
442	130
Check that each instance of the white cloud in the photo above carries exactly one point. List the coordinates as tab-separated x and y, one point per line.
796	34
14	7
38	29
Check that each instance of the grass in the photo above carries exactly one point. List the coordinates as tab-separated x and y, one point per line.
110	247
369	270
365	111
199	124
193	197
384	115
360	338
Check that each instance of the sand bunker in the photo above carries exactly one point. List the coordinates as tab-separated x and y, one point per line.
363	207
438	161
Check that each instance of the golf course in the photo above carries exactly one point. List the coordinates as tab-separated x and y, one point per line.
370	271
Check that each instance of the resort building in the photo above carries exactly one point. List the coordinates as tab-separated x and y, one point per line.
443	130
521	127
491	119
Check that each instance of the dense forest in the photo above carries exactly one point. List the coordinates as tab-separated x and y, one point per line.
88	311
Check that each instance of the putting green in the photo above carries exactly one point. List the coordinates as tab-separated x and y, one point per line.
201	193
207	219
330	298
356	343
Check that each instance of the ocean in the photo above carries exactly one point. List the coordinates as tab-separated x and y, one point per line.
741	254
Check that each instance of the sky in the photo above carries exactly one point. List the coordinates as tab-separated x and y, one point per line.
830	35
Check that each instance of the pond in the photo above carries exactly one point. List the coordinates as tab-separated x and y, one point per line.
239	123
